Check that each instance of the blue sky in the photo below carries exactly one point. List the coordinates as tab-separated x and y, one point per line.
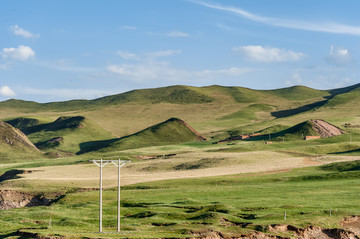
60	50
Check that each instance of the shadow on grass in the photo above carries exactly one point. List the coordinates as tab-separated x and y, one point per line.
348	151
95	145
312	106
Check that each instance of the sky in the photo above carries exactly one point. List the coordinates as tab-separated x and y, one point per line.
64	49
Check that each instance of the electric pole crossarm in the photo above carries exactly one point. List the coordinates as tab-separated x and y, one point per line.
119	163
100	163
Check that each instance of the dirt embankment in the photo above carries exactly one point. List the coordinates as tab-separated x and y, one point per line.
325	129
13	199
351	231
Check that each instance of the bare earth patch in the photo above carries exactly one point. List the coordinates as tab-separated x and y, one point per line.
215	164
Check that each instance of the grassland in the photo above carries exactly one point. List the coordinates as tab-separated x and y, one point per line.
233	204
182	186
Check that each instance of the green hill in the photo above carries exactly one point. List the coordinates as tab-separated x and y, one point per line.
64	134
171	94
175	95
210	109
312	127
171	131
299	93
15	144
345	99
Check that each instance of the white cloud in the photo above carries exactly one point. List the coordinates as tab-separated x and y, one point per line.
21	32
128	27
148	56
339	56
6	91
267	54
4	66
156	54
329	27
343	82
67	94
65	65
162	72
296	79
127	55
233	71
21	53
177	34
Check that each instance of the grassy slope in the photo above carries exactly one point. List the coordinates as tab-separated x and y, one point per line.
215	111
172	131
299	93
230	204
73	130
14	144
139	108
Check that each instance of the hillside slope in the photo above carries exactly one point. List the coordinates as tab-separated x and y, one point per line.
171	131
209	109
14	144
64	134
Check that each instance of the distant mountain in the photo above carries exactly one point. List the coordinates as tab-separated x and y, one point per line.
171	131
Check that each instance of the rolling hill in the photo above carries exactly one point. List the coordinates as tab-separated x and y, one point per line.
14	144
64	134
313	127
171	131
213	110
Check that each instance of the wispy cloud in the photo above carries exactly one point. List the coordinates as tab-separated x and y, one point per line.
4	66
148	56
21	53
177	34
267	54
339	56
65	65
128	27
127	55
6	91
66	94
163	72
329	27
22	32
165	53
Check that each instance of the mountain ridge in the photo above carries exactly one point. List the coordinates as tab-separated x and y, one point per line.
175	93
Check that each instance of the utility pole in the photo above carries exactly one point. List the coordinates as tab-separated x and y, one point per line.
101	163
118	164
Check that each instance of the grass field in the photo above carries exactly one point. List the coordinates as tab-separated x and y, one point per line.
231	204
181	187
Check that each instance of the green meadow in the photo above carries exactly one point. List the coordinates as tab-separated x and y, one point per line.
177	184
